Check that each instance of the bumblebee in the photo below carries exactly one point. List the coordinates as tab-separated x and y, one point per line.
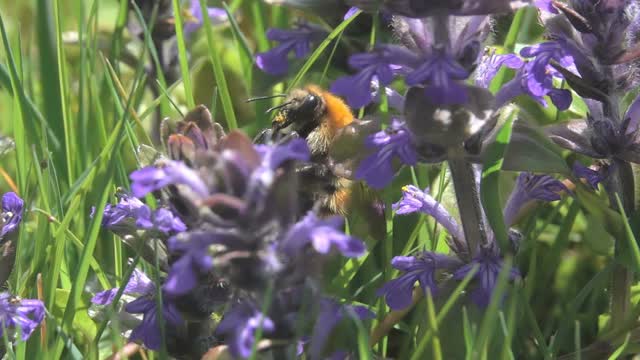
319	117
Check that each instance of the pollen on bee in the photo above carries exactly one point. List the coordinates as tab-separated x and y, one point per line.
279	118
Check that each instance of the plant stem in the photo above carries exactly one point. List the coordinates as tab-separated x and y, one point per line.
620	182
467	191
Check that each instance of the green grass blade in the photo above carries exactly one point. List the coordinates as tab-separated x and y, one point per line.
490	186
50	80
218	72
320	49
182	54
631	242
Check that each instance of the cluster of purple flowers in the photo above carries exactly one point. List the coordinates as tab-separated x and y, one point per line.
15	313
443	118
237	243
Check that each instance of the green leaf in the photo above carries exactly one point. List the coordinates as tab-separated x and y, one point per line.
593	203
531	150
83	327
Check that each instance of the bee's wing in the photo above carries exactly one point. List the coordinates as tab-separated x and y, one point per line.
6	145
366	213
366	209
348	148
147	155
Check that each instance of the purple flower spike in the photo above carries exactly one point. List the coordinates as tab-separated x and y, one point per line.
239	327
195	260
489	267
421	268
26	314
217	15
391	143
322	235
530	187
440	74
298	40
11	215
491	64
153	178
138	284
149	329
377	66
414	199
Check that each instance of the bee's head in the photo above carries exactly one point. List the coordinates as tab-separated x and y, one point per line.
301	112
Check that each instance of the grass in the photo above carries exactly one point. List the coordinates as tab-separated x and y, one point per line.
79	111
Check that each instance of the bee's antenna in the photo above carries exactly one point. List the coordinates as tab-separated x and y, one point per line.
266	97
278	106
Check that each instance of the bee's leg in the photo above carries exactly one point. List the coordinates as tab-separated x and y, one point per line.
318	178
287	137
315	172
264	137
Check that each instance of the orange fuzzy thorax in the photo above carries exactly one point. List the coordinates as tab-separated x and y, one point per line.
338	113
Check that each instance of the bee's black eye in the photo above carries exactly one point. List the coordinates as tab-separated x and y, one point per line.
309	103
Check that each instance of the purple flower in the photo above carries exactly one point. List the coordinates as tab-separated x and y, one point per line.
299	40
387	145
239	327
535	78
490	65
138	284
131	211
26	314
148	331
322	235
263	176
592	177
352	11
414	199
274	156
330	315
378	65
530	187
11	215
153	178
217	15
194	260
546	5
440	74
424	8
421	268
489	267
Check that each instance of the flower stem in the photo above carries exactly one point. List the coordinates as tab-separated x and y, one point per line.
467	191
621	183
